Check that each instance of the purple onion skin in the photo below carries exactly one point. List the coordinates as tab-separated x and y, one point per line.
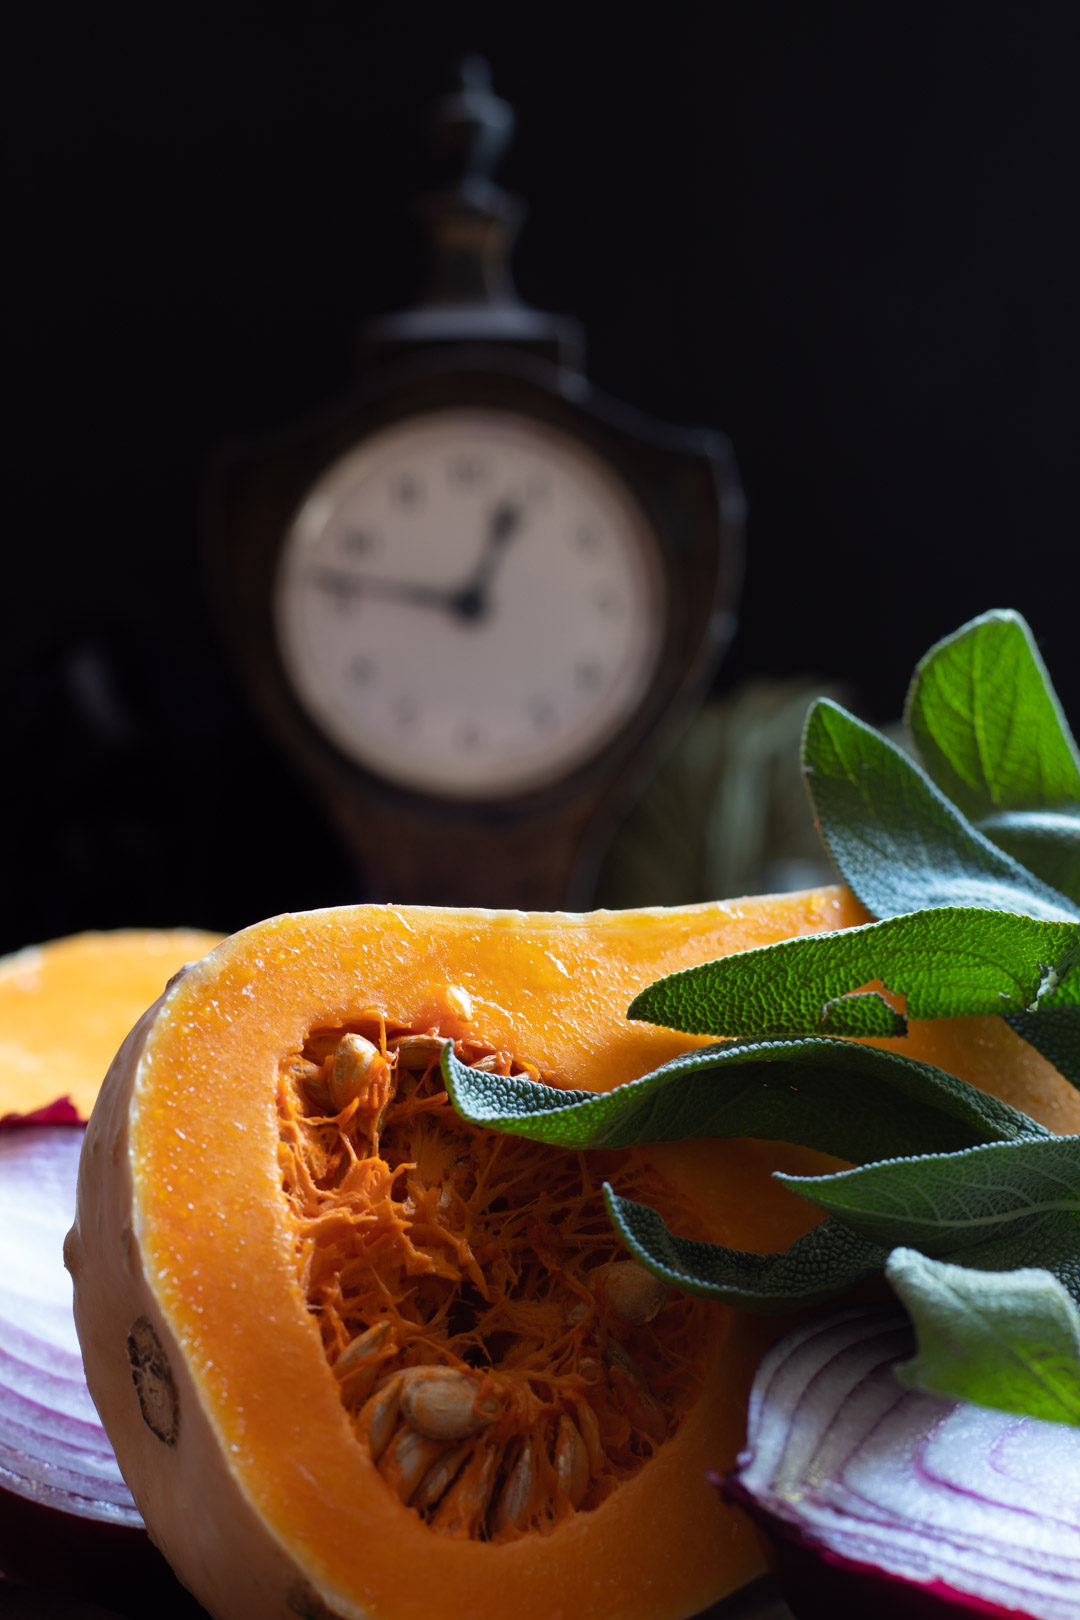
819	1584
53	1562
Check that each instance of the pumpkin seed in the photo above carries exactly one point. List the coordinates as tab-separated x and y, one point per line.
462	1510
406	1460
649	1416
442	1403
361	1351
300	1071
357	1367
571	1461
417	1051
643	1410
514	1501
360	1073
589	1428
439	1477
617	1356
631	1292
307	1078
379	1417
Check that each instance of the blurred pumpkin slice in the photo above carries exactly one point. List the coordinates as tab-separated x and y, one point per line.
66	1006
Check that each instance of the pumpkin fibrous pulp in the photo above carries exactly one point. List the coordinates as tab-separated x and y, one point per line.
360	1358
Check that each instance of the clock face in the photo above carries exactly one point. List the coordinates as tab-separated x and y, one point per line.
470	603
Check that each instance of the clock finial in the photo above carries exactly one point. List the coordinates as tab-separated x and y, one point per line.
472	125
471	224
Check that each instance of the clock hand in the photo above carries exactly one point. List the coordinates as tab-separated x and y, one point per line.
412	592
473	599
470	601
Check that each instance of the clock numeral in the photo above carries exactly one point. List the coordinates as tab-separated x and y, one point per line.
359	542
467	471
607	602
404	711
363	670
588	676
407	490
587	540
337	584
469	737
542	713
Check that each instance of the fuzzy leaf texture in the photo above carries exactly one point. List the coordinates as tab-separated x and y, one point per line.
1008	1339
980	1197
826	1260
1055	1032
947	963
896	839
856	1102
1047	842
859	1103
988	727
972	868
987	723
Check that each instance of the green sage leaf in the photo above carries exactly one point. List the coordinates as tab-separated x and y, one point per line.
856	1102
944	1203
987	723
896	839
1047	842
1054	1240
828	1259
1008	1339
1055	1032
946	963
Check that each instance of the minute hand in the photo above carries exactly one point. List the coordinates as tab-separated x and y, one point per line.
414	593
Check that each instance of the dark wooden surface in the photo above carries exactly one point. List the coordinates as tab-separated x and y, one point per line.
168	1601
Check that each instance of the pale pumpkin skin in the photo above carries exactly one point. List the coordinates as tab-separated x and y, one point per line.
262	1501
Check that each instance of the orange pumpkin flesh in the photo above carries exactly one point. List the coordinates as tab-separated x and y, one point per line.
66	1006
213	1211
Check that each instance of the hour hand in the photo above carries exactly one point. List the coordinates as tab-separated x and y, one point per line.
473	599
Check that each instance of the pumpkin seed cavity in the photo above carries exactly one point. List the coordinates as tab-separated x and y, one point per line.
502	1362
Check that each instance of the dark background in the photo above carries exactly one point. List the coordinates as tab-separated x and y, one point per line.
842	233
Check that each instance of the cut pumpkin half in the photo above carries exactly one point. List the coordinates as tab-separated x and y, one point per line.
359	1358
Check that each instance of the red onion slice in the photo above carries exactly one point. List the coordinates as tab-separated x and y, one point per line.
948	1507
61	1111
54	1454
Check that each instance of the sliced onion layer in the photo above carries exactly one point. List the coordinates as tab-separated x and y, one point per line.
929	1506
66	1517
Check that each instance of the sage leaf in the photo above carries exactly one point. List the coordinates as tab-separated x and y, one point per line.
1055	1032
1008	1339
944	1203
1053	1239
987	723
826	1260
946	963
896	839
862	1013
856	1102
1047	842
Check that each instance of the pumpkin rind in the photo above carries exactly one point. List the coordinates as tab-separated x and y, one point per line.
255	1488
